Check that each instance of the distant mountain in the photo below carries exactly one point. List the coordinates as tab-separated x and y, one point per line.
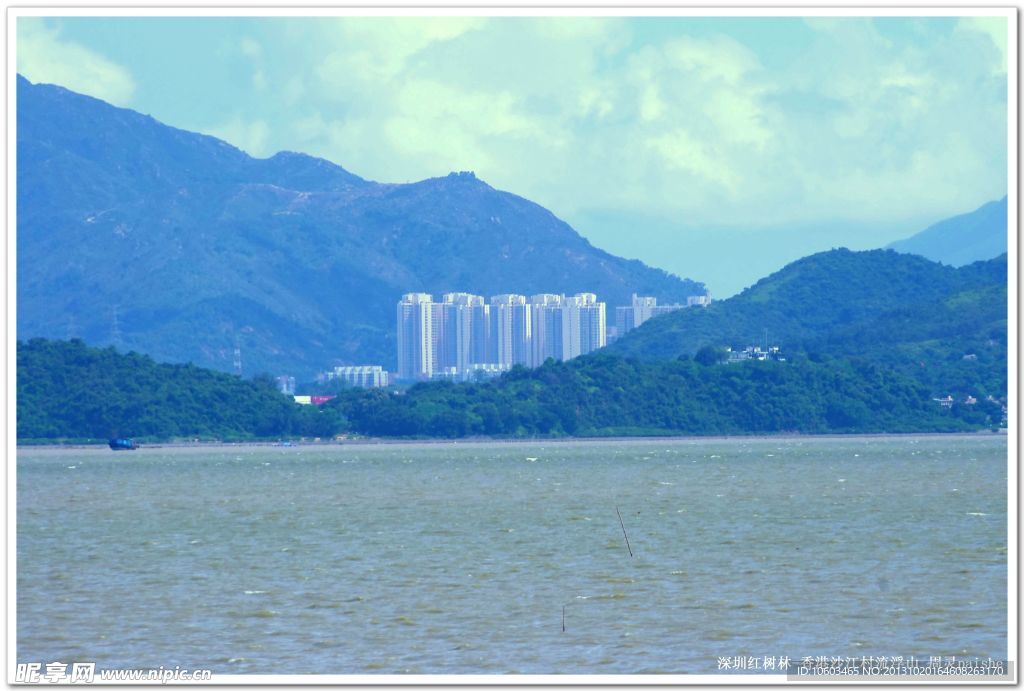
181	246
897	310
970	237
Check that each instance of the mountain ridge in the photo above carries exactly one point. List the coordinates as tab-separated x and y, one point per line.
962	239
915	316
182	246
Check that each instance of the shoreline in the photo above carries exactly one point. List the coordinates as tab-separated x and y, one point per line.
485	441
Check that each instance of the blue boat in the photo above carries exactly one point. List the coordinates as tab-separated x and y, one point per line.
121	444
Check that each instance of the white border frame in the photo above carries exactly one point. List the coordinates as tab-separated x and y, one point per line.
524	10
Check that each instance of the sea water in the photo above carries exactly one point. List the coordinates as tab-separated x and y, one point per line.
496	558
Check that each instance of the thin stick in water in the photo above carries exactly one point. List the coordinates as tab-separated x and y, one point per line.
624	531
563	618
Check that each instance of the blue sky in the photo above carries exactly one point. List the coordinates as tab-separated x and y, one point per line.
715	148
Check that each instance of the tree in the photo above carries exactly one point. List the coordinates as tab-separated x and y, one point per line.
711	355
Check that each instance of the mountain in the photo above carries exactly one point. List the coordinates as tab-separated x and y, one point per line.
900	311
970	237
183	247
804	299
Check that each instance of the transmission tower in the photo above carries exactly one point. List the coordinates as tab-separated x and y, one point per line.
238	356
115	331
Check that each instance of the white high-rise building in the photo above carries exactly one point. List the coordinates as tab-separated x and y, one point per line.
643	308
462	334
417	347
583	325
459	314
640	310
593	323
510	330
480	333
545	328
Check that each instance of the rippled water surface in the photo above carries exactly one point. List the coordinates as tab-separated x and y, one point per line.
459	558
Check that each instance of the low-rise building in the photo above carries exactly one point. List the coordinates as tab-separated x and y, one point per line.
286	384
481	371
758	353
365	376
642	308
474	372
312	400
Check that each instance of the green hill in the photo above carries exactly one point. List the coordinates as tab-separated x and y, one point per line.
67	390
955	346
605	395
895	310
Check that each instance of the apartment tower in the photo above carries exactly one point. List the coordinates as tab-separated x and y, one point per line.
416	341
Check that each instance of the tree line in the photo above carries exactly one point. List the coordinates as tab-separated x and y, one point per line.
67	390
605	395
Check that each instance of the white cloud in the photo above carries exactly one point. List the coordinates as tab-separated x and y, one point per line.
444	125
651	105
250	48
410	98
380	49
874	124
583	114
294	90
718	59
996	28
253	51
253	137
679	150
45	57
592	100
310	128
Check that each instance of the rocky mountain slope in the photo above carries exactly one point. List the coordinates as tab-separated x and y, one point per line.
183	247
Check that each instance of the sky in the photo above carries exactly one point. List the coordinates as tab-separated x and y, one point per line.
716	148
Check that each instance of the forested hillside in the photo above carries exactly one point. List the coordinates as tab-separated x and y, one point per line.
945	327
67	390
602	395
